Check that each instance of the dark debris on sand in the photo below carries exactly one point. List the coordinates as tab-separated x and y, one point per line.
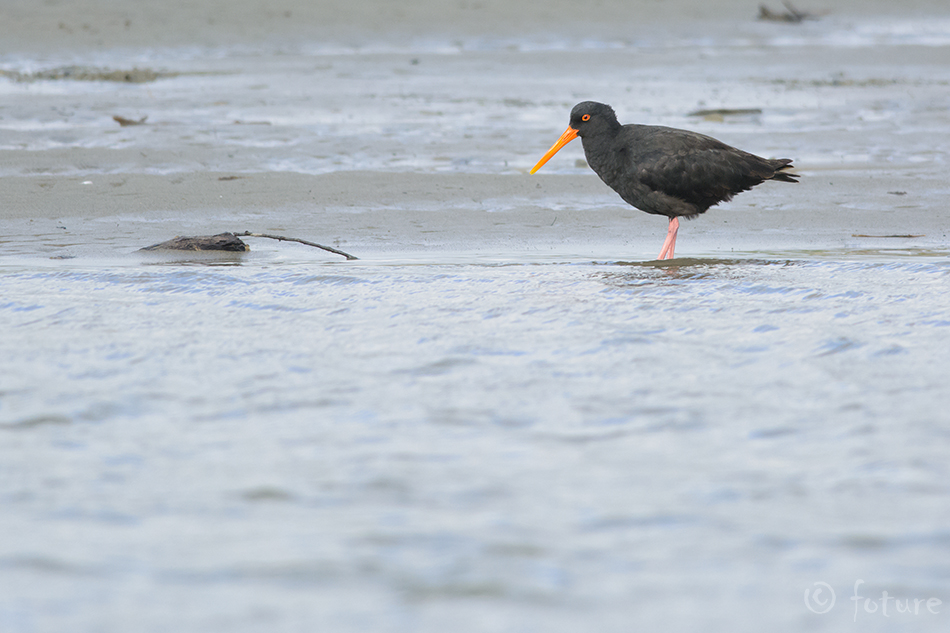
85	73
219	242
790	16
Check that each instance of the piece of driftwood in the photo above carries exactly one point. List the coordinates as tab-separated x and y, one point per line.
219	242
792	16
282	238
121	120
230	242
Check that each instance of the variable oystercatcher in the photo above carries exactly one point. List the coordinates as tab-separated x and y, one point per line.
663	170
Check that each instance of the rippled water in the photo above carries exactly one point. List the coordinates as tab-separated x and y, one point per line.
670	340
487	446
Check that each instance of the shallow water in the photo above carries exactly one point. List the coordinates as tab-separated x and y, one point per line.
489	440
496	446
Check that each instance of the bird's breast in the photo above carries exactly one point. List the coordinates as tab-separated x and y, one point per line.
609	161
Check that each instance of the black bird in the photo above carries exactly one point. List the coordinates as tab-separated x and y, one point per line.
663	170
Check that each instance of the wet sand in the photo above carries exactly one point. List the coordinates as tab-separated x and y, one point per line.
838	199
367	212
78	25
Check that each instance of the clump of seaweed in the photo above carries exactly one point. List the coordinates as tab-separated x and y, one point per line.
86	73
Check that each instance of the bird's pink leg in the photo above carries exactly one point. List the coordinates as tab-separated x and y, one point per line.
670	243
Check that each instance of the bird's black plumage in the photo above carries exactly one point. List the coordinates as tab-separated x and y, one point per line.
667	171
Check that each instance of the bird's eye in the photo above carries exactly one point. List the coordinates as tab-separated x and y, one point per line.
586	117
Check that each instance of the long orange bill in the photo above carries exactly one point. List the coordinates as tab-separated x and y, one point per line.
569	135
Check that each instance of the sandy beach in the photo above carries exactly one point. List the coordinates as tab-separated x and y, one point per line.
849	175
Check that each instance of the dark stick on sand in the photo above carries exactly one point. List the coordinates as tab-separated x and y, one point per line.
229	242
281	238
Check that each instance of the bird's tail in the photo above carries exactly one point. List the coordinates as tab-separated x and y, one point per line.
780	165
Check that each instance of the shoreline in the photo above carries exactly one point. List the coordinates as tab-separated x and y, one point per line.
458	212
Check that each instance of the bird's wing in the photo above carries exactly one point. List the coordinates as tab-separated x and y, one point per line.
696	168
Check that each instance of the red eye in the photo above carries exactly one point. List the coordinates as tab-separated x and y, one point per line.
586	117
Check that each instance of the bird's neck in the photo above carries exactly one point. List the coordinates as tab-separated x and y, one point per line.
602	154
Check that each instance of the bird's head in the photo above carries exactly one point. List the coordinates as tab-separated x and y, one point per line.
588	118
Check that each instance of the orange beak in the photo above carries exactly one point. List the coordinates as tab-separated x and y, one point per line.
569	135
